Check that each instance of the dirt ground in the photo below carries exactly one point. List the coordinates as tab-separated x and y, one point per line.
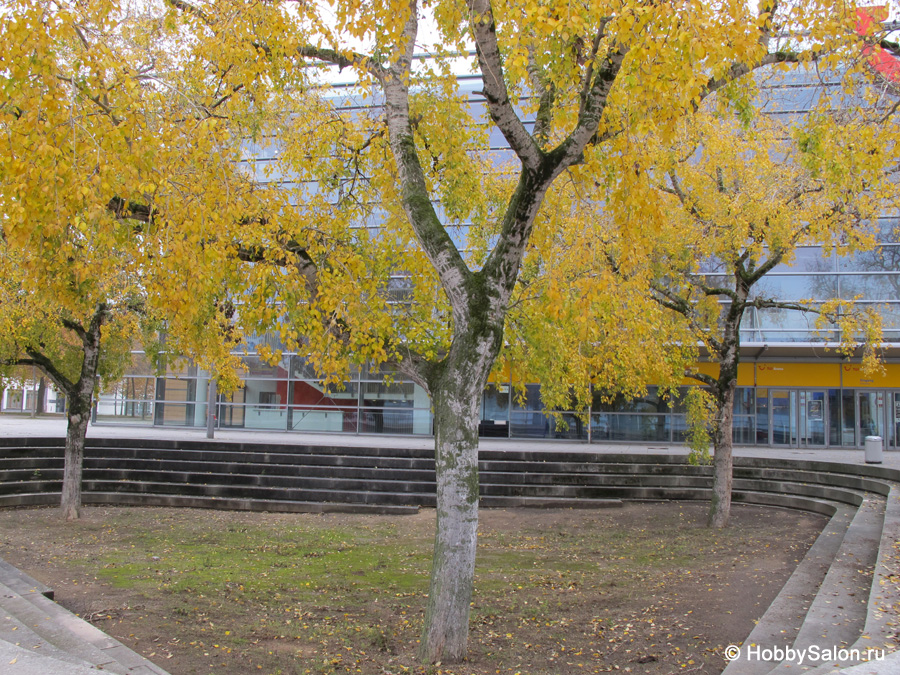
643	589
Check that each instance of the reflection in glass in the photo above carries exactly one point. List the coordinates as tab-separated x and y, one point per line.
784	418
882	259
743	432
871	287
807	260
812	417
871	413
762	416
848	419
793	288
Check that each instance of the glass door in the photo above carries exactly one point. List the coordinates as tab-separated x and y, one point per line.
894	416
870	406
813	414
784	417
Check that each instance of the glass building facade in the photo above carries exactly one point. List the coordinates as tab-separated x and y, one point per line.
793	391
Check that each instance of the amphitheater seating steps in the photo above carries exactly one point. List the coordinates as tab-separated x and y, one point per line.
841	593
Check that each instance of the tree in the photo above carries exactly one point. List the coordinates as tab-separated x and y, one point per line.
694	222
101	174
563	83
753	197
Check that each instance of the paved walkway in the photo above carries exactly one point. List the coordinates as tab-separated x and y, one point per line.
17	661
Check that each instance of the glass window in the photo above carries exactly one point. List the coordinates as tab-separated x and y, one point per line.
745	401
495	402
834	417
630	427
140	365
396	391
792	288
678	403
271	340
872	287
807	260
884	258
786	319
179	366
648	403
528	399
742	431
378	373
258	368
762	416
888	227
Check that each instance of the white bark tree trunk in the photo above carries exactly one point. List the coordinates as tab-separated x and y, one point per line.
446	630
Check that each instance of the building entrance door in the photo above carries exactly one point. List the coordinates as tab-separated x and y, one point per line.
813	416
870	415
784	417
894	421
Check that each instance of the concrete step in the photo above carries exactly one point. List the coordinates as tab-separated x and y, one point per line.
42	637
15	633
882	627
69	634
237	504
20	661
782	621
837	614
21	583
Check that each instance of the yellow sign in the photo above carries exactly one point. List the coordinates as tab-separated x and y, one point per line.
798	374
853	377
745	373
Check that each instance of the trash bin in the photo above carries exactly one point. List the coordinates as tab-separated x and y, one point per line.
874	450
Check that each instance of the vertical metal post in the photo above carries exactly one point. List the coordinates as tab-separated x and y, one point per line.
590	416
509	403
34	385
211	407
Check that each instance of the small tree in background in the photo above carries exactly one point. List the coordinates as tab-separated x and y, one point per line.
108	172
731	201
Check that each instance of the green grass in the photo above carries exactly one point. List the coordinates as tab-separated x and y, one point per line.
345	593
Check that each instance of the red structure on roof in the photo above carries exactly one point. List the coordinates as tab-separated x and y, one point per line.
881	59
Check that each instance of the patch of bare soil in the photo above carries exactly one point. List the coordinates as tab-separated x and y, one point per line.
645	589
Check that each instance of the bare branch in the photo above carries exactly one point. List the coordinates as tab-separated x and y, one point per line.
701	377
191	9
430	232
495	92
41	361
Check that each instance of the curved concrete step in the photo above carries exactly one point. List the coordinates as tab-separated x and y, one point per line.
782	621
73	640
20	661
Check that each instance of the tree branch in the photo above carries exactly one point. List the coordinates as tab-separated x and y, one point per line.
430	232
592	109
496	94
191	9
41	361
547	93
702	377
670	300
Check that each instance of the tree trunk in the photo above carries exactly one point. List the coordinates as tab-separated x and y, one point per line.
39	406
80	397
729	358
79	414
457	388
446	630
720	505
